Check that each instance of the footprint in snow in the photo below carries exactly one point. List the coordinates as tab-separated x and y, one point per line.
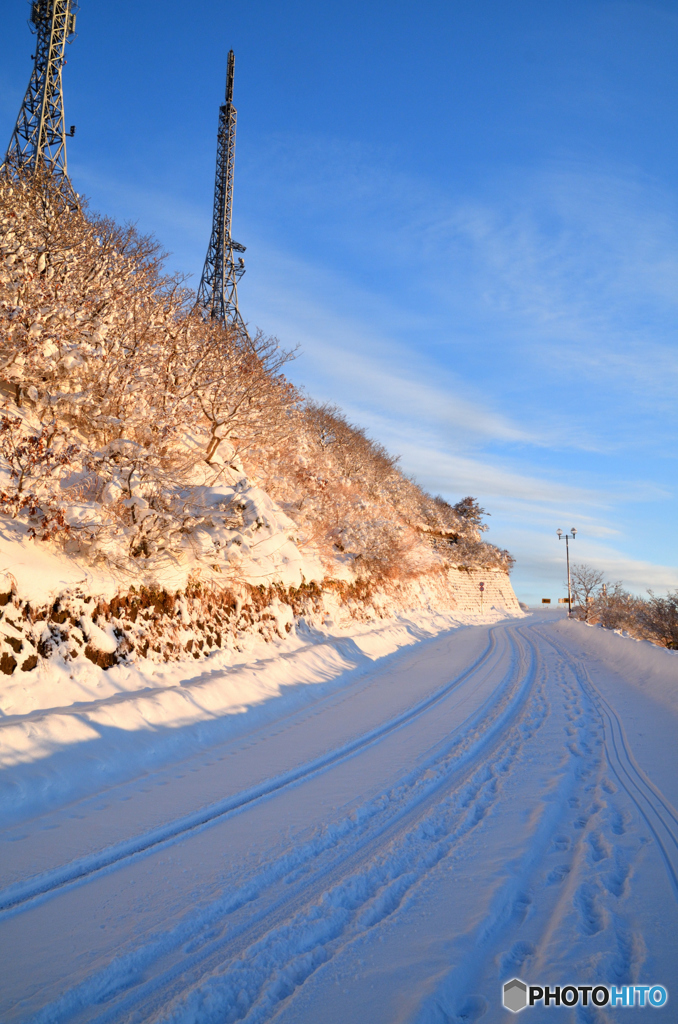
521	904
617	822
630	953
615	882
592	920
599	848
514	958
556	876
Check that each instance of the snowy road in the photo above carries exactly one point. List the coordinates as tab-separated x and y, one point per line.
497	801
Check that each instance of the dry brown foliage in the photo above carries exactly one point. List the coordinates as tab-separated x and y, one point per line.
123	404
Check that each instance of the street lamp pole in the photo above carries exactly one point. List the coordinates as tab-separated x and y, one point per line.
568	537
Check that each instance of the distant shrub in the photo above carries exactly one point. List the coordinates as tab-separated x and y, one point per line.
610	605
658	619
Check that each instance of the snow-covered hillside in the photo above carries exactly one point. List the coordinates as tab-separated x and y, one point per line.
164	489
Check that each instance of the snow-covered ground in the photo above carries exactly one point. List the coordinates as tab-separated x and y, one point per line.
373	828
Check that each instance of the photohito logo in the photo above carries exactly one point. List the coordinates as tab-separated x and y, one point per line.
518	994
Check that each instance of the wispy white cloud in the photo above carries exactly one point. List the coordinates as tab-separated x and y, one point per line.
574	267
583	269
349	355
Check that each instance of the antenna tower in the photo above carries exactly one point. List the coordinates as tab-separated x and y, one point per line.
39	136
218	291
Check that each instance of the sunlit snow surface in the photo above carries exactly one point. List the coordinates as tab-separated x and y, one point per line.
378	828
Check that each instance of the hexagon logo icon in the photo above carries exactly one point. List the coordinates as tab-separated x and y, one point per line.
515	995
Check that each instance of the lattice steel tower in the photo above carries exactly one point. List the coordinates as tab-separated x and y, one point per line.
39	137
218	291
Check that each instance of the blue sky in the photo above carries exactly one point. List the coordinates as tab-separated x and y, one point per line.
466	215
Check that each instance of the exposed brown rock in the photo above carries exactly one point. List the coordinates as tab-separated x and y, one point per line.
103	659
7	663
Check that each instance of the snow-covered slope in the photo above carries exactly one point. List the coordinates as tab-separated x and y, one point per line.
163	487
263	547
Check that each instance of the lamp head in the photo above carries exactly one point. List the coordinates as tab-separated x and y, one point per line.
560	533
574	533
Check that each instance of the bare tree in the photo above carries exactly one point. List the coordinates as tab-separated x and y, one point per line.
658	619
615	607
586	584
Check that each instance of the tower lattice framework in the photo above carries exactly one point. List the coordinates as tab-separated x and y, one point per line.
218	291
39	136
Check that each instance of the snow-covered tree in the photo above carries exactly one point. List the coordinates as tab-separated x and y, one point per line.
125	412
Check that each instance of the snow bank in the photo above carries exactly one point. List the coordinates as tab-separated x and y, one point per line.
68	730
650	669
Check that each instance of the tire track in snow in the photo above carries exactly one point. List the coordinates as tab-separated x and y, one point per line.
14	897
651	803
249	984
592	881
508	938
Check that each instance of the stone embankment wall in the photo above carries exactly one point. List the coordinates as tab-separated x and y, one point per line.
498	591
446	590
169	627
